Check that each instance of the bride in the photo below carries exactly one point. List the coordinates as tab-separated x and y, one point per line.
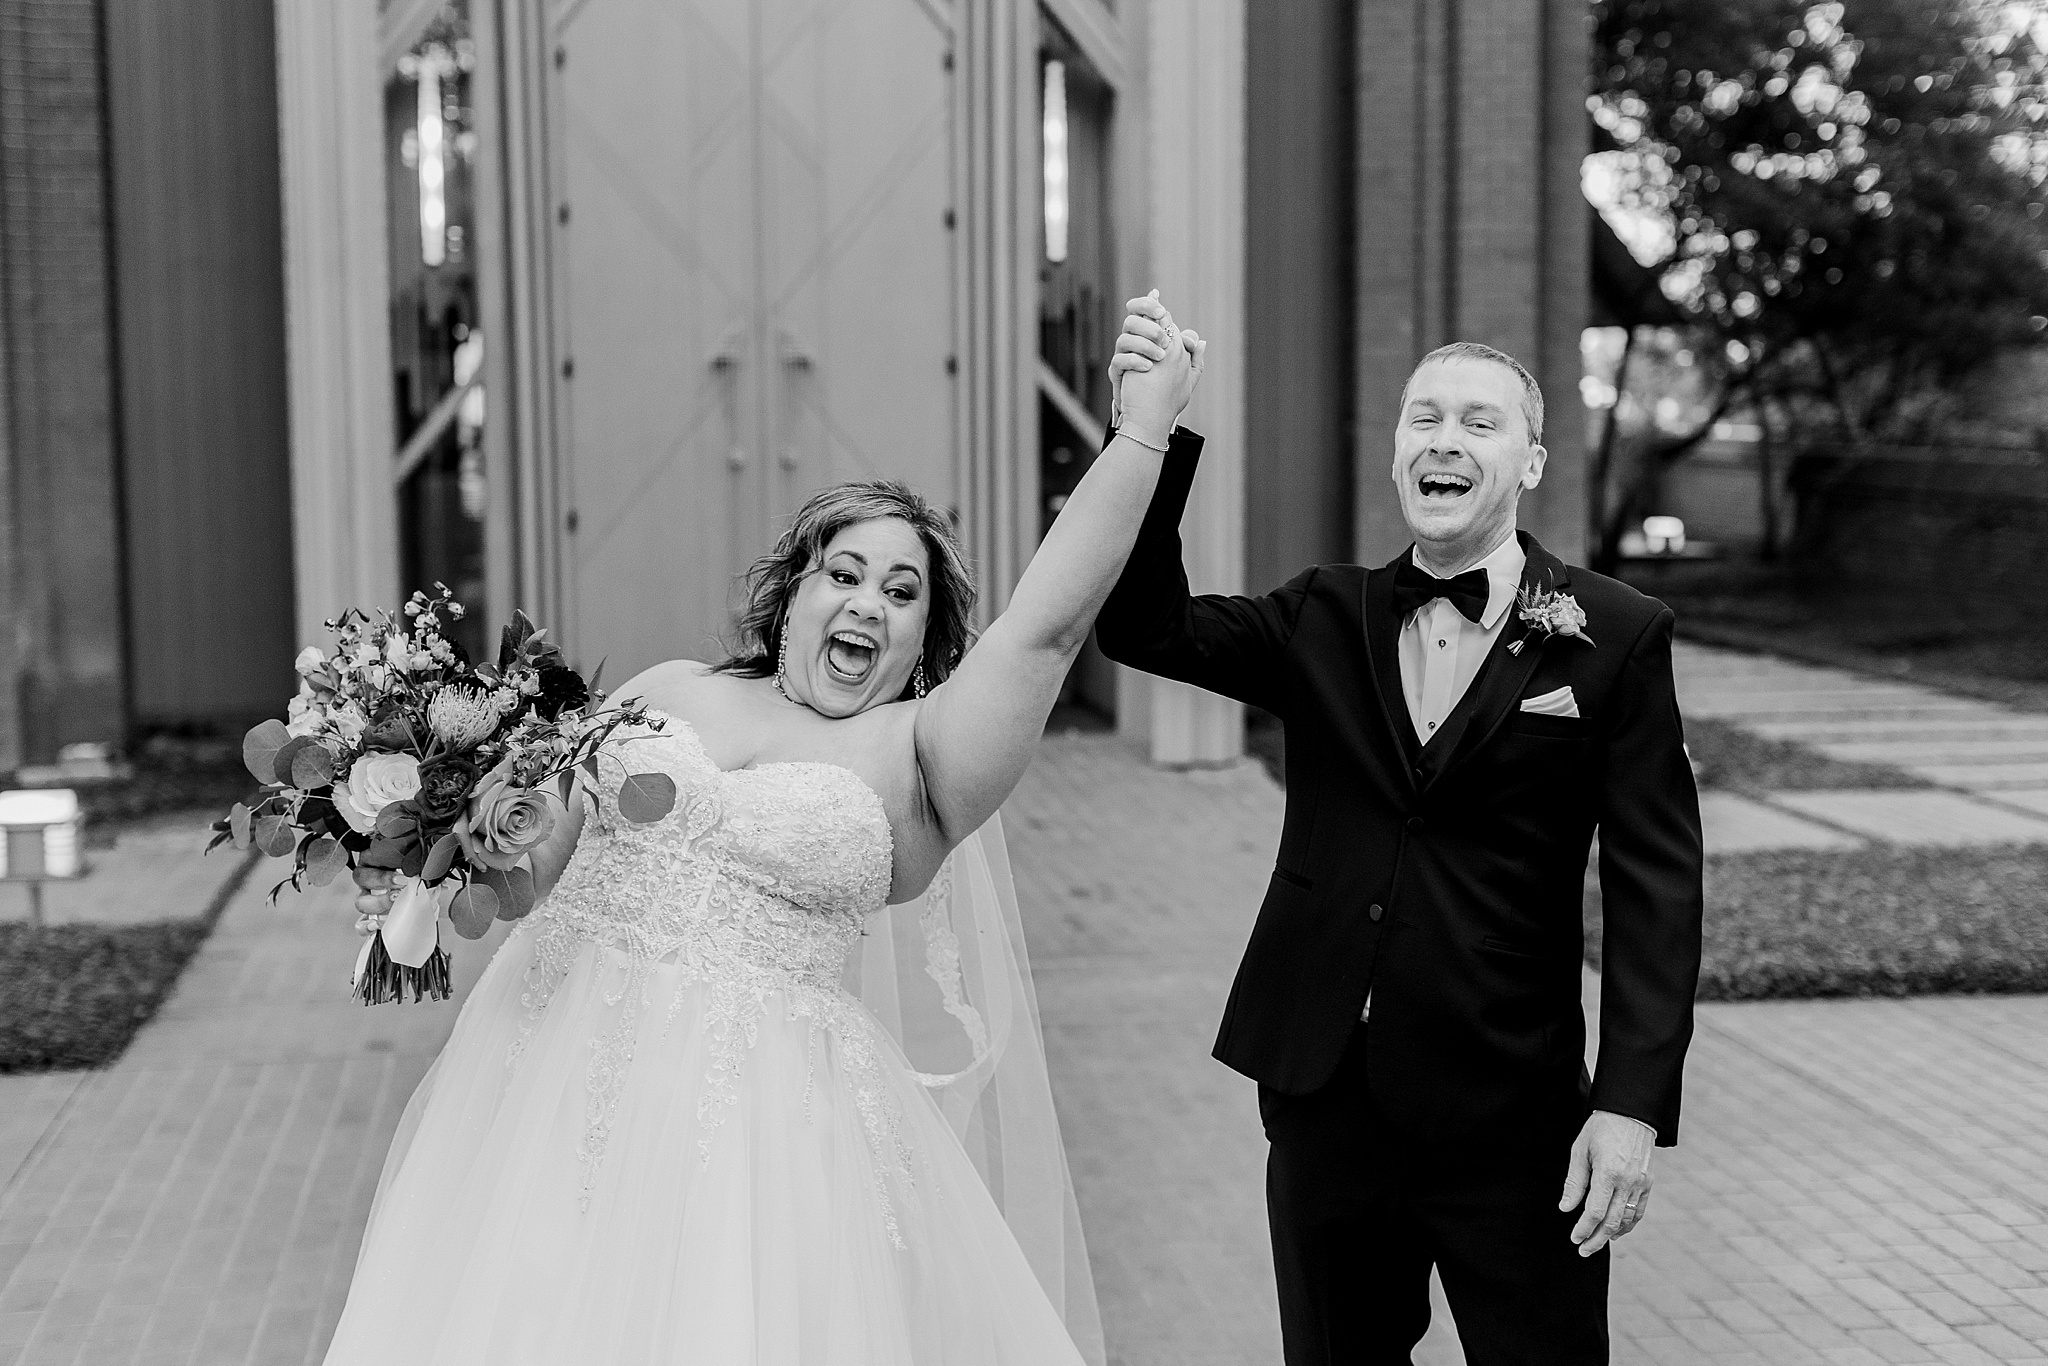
678	1119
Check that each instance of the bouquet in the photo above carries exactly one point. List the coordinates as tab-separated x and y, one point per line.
400	753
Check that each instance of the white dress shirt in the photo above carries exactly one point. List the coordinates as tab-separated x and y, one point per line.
1441	651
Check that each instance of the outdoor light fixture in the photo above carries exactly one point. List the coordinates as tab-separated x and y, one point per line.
41	837
1664	535
1055	138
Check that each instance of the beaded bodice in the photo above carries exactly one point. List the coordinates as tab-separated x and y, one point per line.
755	887
756	870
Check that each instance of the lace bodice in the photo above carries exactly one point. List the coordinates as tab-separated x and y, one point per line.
767	869
754	886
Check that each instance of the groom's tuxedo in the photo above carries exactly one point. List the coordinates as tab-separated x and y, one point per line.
1446	879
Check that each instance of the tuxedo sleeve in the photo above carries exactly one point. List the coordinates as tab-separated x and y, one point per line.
1651	863
1227	644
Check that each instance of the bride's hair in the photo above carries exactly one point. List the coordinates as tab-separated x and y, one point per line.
773	579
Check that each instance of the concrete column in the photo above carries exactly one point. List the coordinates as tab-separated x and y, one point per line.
62	667
337	297
1195	139
1471	227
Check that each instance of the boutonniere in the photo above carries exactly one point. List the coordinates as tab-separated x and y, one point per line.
1551	612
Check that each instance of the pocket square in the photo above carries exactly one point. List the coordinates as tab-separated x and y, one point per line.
1557	703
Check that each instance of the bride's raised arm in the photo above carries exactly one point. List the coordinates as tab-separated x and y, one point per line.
976	732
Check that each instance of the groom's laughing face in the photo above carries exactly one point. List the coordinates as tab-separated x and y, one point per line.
1463	455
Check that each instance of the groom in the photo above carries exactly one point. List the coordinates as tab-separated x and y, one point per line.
1459	724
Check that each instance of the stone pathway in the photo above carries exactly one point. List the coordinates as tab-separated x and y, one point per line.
1860	1182
1989	763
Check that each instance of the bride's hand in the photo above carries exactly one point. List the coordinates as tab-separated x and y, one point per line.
376	890
1154	372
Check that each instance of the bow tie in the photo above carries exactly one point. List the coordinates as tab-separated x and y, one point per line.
1415	587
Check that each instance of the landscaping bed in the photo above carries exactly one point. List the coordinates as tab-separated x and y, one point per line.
1869	922
74	995
1731	759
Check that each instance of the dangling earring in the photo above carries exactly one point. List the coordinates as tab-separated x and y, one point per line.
782	659
917	683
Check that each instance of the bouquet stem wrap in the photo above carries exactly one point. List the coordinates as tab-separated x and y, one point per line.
404	958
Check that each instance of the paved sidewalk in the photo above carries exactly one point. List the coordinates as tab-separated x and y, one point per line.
1989	763
1860	1182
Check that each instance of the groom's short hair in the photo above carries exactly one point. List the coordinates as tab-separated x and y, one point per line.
1532	394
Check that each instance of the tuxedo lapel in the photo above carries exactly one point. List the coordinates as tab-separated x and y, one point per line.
1383	652
1497	689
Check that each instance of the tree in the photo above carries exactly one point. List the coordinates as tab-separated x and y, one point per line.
1846	198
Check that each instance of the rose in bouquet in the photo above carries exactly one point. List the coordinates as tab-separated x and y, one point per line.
400	753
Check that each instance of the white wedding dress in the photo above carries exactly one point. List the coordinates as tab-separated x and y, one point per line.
664	1131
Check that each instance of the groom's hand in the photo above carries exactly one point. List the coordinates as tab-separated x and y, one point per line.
1147	331
1610	1174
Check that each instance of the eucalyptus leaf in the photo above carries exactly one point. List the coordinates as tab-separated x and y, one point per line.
311	767
440	858
325	858
514	887
260	747
238	825
274	835
473	910
646	797
287	754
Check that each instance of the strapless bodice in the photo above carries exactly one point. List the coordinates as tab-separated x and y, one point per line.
769	869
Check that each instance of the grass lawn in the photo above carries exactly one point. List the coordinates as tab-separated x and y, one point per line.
76	994
1869	922
1731	759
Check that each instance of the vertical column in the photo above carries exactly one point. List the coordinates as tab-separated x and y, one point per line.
1556	512
1195	86
62	668
1400	118
1471	225
344	503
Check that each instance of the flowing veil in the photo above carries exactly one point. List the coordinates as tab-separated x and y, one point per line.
949	976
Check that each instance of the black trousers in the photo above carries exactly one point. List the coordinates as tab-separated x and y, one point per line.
1359	1217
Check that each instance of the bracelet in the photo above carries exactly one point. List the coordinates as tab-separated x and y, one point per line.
1119	431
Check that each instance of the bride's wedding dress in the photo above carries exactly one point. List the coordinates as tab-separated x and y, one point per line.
664	1130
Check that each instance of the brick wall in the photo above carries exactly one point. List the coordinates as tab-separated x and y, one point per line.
62	673
1908	519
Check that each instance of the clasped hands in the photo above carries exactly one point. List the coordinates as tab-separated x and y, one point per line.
1153	373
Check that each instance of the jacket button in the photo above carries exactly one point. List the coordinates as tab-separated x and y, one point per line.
1376	911
1415	825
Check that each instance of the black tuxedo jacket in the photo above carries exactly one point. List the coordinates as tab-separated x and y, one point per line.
1446	879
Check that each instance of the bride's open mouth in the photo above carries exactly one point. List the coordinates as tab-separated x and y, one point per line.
850	656
1444	485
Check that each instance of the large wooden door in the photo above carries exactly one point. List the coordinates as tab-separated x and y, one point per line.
756	284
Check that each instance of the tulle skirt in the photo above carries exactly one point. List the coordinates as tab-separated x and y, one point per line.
770	1186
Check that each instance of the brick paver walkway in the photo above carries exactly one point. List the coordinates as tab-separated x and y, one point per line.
1860	1182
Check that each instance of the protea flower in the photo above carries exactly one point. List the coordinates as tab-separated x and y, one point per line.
462	718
